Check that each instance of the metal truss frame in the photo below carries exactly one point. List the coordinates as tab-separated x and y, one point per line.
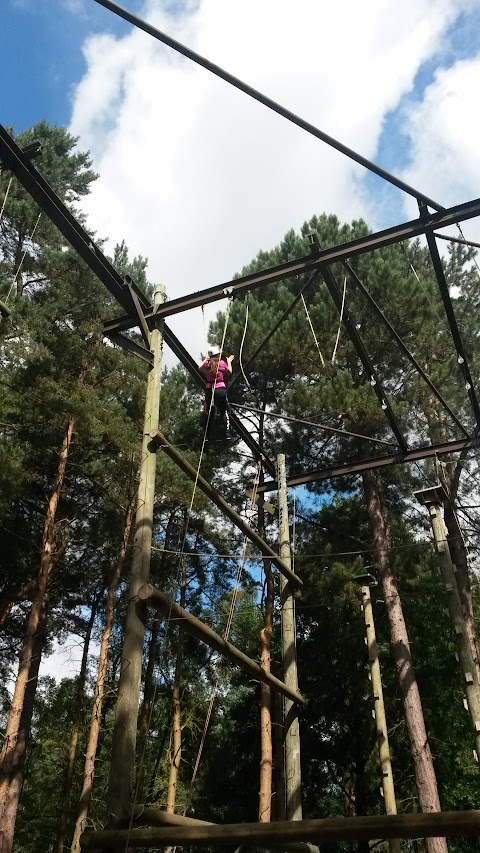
139	313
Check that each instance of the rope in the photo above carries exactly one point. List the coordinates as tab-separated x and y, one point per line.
241	346
15	277
341	319
313	331
6	196
226	635
205	329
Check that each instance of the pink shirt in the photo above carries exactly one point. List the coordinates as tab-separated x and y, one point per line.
219	383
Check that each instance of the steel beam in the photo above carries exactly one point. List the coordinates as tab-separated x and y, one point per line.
378	311
267	102
13	157
300	266
125	291
349	468
452	322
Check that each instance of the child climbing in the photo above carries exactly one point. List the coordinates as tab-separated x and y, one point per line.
215	369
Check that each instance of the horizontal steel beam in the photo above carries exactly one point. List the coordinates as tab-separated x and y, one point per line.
265	101
359	246
161	602
428	825
349	468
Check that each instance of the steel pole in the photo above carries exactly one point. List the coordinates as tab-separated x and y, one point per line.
293	778
380	718
122	765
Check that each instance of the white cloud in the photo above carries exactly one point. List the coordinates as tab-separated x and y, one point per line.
444	128
198	177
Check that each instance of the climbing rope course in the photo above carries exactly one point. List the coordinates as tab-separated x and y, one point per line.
386	397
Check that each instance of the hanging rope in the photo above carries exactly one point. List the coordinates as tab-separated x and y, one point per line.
313	331
334	354
241	346
15	277
226	635
5	197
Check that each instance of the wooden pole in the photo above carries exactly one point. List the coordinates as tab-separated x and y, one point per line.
460	824
147	816
122	765
380	718
217	499
464	651
293	778
156	598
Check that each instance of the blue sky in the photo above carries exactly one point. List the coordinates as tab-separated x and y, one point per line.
212	165
41	51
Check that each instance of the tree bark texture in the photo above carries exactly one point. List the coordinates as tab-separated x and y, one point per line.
176	753
77	716
13	753
10	805
422	758
266	745
462	577
96	717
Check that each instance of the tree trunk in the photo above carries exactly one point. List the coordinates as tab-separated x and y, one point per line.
266	745
266	748
13	753
77	716
96	718
9	813
459	559
422	758
177	709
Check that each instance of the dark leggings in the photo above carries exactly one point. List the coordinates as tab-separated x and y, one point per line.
220	400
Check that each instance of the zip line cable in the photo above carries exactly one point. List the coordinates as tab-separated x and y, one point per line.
313	424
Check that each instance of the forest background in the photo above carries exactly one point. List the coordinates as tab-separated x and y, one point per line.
71	422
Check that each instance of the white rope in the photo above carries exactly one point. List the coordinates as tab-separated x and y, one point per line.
341	319
15	277
226	635
6	196
205	335
241	347
313	331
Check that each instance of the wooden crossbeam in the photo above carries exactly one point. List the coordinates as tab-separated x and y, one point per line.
156	598
430	825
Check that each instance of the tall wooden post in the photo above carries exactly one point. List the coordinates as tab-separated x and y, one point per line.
432	499
380	718
122	766
293	780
